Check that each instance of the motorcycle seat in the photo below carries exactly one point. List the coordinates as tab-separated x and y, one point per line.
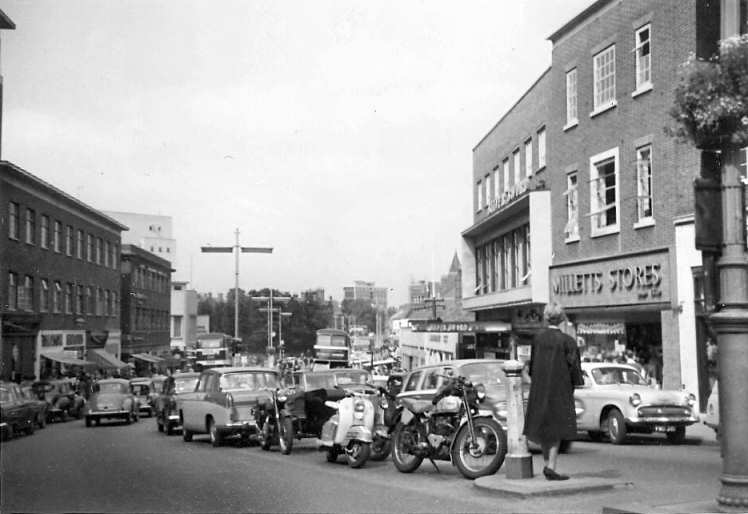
417	406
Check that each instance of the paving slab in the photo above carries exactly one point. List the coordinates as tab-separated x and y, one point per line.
700	507
538	486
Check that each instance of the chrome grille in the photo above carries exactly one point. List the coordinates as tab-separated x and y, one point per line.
675	411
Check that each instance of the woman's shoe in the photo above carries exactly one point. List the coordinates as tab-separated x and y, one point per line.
552	475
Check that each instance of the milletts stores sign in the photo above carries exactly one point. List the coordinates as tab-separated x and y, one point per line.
625	280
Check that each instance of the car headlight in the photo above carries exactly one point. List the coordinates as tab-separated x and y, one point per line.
578	407
691	400
635	399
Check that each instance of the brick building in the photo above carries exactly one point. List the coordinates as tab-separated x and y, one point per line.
505	275
59	278
146	303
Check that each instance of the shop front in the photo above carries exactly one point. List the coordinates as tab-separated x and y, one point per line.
621	309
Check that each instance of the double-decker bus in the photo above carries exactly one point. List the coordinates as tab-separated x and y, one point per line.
213	349
332	348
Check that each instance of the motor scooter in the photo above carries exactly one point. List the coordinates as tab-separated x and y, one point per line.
349	430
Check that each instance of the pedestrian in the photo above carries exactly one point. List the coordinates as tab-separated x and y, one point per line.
554	370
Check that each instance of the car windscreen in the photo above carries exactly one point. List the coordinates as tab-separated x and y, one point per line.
185	385
248	380
113	388
489	374
617	375
140	389
320	381
344	378
332	340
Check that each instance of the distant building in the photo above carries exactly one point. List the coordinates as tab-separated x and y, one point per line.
362	290
146	302
183	316
314	295
420	290
203	324
150	232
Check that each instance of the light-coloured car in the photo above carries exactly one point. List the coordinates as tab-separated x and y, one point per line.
111	398
616	400
224	402
711	418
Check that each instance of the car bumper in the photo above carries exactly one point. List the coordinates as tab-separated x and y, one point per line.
241	427
107	413
662	421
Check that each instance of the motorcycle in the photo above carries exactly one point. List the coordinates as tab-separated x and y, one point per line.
349	430
386	417
450	427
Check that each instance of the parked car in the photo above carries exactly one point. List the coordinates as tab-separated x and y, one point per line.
17	414
39	406
165	404
224	403
616	400
112	398
62	398
141	389
711	418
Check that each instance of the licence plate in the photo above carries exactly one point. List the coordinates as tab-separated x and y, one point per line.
668	428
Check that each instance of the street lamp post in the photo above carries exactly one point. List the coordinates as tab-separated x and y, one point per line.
270	310
236	250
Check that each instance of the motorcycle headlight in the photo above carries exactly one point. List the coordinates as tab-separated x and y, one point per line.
635	399
501	410
358	410
282	398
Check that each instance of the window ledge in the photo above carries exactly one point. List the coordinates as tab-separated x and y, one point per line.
570	125
613	229
644	88
574	239
644	223
603	108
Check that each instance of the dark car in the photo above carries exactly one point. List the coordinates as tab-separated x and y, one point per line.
165	404
17	414
62	399
141	389
38	406
112	398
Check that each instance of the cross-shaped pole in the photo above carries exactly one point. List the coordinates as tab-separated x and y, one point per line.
270	310
236	250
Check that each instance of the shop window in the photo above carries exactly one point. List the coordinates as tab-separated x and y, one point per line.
604	193
13	222
644	184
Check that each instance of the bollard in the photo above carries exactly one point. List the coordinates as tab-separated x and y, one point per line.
518	459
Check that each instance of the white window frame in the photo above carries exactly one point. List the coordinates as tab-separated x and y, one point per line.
505	165
479	185
496	188
486	193
643	62
44	295
572	104
44	232
642	195
597	210
528	158
603	61
541	148
57	236
517	163
571	229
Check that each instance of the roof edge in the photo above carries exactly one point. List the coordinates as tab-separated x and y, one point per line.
576	20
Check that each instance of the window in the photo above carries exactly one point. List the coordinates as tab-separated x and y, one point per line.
541	148
89	248
44	236
107	303
107	251
69	241
526	261
604	193
508	265
496	186
80	300
413	381
479	185
517	258
89	301
99	302
79	245
68	298
643	58
604	65
528	158
56	297
114	255
30	226
571	230
506	174
44	296
644	183
571	97
176	326
517	168
99	244
115	303
57	237
12	291
486	191
13	225
26	294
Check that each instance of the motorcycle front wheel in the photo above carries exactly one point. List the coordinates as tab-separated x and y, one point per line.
485	455
266	435
286	435
402	439
358	453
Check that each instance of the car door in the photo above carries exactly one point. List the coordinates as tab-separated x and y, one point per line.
215	401
190	405
13	408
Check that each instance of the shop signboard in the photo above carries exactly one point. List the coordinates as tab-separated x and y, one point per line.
625	280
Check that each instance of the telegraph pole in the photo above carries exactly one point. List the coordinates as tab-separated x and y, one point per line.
236	250
270	310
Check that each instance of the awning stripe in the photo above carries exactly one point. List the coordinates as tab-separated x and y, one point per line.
106	359
62	358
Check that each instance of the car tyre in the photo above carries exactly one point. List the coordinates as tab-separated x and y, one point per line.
616	427
266	436
41	420
88	421
677	437
285	438
332	455
215	435
169	428
595	435
404	462
381	448
30	429
186	435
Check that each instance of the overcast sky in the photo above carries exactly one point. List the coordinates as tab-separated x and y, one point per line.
338	132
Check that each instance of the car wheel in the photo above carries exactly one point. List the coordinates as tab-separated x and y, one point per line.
285	438
186	435
97	422
616	427
332	455
88	421
215	435
676	437
169	428
30	428
64	415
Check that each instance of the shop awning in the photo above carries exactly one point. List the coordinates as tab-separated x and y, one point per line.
63	358
105	359
147	358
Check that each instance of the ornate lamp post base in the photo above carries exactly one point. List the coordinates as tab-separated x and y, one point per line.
518	460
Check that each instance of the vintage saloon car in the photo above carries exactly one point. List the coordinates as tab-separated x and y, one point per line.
16	412
111	398
225	401
616	400
165	404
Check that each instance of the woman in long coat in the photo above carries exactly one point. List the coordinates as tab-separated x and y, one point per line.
555	369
